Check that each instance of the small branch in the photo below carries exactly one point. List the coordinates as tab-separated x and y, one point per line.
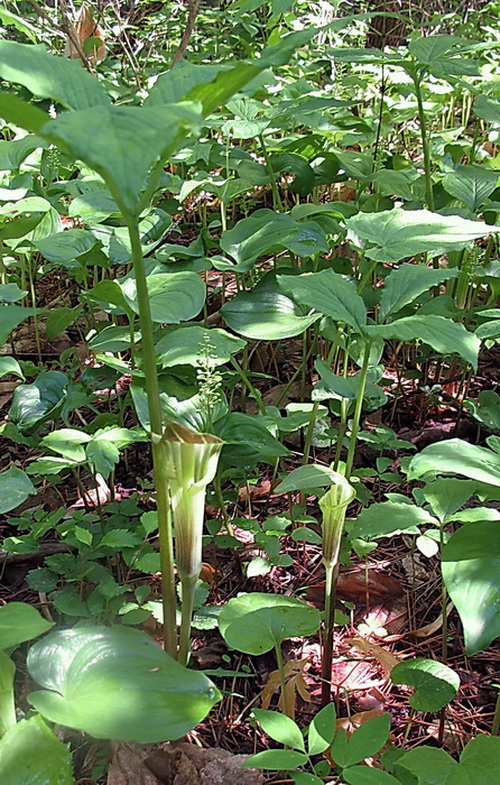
194	7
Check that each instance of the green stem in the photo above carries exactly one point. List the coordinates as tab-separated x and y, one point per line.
246	380
158	449
429	195
281	671
327	653
357	410
278	204
495	728
188	591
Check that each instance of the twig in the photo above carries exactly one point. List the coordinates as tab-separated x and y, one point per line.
194	6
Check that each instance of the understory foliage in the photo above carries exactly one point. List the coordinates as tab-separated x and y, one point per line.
249	335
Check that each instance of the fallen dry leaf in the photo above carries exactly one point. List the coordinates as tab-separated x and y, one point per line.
295	684
386	658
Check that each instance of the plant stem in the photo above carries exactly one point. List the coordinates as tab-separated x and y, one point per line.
281	671
495	728
188	590
357	410
158	448
246	380
326	656
429	195
278	204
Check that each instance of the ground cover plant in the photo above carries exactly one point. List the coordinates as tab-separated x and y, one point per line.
249	323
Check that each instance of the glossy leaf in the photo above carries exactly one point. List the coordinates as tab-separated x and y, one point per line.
327	292
455	456
445	336
363	775
173	297
195	345
66	246
33	404
20	622
105	137
15	487
386	518
393	235
407	282
280	728
266	232
30	754
471	185
256	623
435	683
115	682
265	313
49	76
10	317
306	478
322	730
275	760
471	572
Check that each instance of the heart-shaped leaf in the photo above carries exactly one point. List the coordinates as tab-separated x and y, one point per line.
256	623
115	682
435	683
15	487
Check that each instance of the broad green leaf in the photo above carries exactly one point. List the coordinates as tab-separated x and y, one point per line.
11	293
471	572
275	760
266	232
93	206
59	319
264	313
66	246
20	622
7	704
406	283
9	365
307	478
304	778
443	335
178	83
435	683
327	292
481	760
250	432
280	728
471	185
446	496
385	518
116	683
443	55
322	730
455	456
195	345
10	317
67	442
49	76
17	112
30	754
8	18
173	297
33	404
430	766
256	623
15	487
367	740
12	154
396	234
106	138
363	775
486	409
487	109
